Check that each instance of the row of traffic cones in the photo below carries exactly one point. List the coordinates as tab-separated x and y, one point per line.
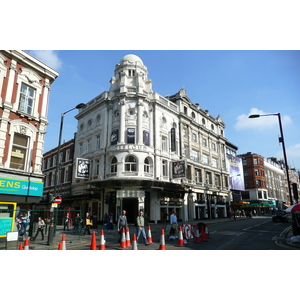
26	245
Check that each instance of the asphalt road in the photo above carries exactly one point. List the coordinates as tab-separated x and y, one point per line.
250	234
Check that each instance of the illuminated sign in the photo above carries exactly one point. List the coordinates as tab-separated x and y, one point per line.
21	187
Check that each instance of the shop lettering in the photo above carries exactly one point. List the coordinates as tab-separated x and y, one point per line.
25	187
10	184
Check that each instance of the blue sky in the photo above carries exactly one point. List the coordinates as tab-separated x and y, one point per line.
233	84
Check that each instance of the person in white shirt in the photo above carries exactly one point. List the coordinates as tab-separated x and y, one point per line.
173	222
41	226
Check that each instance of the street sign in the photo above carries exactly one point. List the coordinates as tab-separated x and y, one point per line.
57	199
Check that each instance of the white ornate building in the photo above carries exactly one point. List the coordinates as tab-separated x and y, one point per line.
149	152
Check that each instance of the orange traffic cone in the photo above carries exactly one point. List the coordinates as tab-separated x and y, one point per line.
162	245
128	243
197	237
102	241
149	236
26	244
134	243
203	237
60	246
93	241
123	239
206	232
63	241
21	246
180	238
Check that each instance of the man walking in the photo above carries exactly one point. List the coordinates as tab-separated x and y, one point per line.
173	222
140	221
122	222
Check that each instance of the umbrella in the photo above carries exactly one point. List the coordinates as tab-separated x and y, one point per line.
294	208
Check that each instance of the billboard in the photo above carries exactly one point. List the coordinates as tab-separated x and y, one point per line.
178	169
236	173
82	168
14	186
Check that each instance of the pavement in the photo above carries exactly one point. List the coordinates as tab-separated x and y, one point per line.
80	242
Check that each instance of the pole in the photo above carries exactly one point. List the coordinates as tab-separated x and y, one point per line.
285	160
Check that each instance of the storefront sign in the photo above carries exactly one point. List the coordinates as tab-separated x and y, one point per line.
178	169
21	187
131	136
130	193
173	140
82	168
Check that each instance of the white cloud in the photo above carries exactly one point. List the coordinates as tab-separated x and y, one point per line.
293	155
49	57
243	121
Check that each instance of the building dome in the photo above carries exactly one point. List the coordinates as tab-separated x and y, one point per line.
131	58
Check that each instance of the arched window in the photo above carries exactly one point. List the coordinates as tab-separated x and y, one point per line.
148	166
114	165
130	164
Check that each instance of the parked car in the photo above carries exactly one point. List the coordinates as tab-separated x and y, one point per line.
280	215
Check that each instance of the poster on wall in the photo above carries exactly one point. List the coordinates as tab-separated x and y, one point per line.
236	173
178	169
146	138
173	140
82	168
130	135
114	137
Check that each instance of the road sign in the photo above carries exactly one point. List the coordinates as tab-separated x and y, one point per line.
58	199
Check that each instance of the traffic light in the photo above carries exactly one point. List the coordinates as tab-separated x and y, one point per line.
49	198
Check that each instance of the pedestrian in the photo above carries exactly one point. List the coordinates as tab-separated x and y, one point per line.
166	215
174	223
109	224
122	223
140	229
66	222
41	226
254	212
230	214
24	223
77	222
88	224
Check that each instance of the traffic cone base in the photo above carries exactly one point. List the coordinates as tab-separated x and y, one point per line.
134	243
128	243
60	246
180	238
123	240
149	236
93	241
197	237
26	244
102	241
162	245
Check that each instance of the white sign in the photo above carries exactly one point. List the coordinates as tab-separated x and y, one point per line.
12	236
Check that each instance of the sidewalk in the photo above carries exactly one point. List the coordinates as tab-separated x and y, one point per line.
111	236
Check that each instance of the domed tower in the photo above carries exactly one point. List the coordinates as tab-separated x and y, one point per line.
130	77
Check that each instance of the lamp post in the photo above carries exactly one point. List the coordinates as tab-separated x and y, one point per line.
51	227
281	140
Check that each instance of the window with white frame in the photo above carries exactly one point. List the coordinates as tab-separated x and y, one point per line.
98	142
148	166
88	146
80	148
195	155
27	97
198	175
68	155
130	164
205	159
66	179
214	162
194	137
19	151
114	165
213	146
204	142
164	143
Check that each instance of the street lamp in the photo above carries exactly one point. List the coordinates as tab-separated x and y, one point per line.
51	227
281	140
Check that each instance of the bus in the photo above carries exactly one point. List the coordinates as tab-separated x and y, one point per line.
7	217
